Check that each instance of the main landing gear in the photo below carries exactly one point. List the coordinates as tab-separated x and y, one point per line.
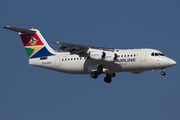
99	71
95	74
108	77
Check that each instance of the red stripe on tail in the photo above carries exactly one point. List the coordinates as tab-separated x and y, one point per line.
31	39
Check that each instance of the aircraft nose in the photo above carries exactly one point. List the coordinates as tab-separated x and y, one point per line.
172	62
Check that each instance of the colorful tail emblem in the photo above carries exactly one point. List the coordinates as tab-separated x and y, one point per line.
34	46
33	41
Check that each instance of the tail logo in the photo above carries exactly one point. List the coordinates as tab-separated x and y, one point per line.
34	46
33	41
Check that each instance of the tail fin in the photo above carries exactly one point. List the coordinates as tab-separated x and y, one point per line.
34	43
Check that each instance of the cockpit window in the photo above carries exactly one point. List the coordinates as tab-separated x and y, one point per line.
161	54
157	54
152	54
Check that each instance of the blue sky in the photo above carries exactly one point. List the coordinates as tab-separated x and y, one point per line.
28	92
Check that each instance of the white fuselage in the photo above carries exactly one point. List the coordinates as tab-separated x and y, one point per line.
131	60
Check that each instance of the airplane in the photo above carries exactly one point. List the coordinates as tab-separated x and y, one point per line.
82	59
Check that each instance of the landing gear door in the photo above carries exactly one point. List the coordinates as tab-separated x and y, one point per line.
143	56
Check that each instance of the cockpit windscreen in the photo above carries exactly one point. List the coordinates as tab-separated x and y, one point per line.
157	54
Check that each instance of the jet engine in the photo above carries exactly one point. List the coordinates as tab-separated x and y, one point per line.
111	57
98	55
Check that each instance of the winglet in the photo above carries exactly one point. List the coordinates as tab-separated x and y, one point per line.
20	30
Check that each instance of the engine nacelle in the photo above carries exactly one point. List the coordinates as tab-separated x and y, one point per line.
97	55
111	57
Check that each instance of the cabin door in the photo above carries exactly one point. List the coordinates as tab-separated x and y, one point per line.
143	56
57	61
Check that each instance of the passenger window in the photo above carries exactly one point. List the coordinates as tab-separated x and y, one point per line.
124	55
121	55
77	58
71	58
62	59
134	55
131	55
152	54
127	55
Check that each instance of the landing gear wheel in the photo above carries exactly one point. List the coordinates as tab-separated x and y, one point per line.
107	79
163	73
94	74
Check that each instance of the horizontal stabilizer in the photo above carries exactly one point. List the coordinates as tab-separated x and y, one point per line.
20	30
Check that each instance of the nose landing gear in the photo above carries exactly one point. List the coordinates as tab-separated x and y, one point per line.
163	73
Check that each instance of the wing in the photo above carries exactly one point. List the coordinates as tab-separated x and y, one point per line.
81	50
